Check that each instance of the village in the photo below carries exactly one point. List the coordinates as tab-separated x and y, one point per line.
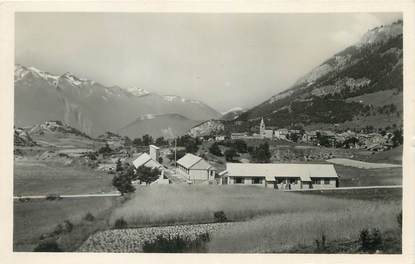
219	164
208	133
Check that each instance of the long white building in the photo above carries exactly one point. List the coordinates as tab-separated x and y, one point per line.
281	175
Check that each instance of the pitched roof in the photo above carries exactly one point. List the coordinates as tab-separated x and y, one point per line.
145	159
202	165
270	171
192	161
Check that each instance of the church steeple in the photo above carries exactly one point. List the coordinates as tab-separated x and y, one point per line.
262	127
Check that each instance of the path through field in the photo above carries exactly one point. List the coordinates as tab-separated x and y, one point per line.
362	164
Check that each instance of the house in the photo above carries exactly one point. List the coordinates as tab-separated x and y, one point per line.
196	168
238	135
220	138
281	133
151	161
281	175
309	136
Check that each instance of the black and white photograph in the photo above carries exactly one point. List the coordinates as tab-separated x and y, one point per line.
198	132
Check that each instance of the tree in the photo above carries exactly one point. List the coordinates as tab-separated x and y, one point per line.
137	142
160	141
122	181
147	140
240	146
230	154
262	153
147	174
105	149
127	141
294	137
397	138
179	154
118	166
215	150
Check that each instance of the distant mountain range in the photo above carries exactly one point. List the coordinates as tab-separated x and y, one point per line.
359	87
94	108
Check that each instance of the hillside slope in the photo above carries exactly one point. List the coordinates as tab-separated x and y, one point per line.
163	125
358	87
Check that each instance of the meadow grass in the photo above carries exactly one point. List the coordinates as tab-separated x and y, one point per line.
36	217
37	178
378	194
155	205
282	232
350	176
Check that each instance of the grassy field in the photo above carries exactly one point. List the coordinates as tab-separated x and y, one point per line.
264	220
194	204
394	194
285	231
37	177
350	176
36	217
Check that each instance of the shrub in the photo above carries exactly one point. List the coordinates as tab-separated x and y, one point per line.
47	246
399	219
215	150
89	217
120	223
65	227
53	196
321	245
220	216
370	241
177	244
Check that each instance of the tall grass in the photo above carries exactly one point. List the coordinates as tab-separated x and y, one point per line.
173	204
280	232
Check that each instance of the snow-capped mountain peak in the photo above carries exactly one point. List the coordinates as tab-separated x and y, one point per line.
137	91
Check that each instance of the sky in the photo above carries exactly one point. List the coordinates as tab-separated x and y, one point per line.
224	60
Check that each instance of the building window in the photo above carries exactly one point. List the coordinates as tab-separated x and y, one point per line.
316	181
239	180
326	181
256	180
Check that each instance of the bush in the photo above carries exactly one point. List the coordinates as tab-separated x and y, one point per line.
47	246
321	244
120	223
399	219
220	216
89	217
215	150
176	244
53	196
65	227
370	241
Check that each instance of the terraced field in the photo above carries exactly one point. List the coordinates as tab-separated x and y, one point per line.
132	240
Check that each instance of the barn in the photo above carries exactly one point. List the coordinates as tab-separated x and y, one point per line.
195	168
281	175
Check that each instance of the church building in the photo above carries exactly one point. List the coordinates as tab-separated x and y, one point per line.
265	133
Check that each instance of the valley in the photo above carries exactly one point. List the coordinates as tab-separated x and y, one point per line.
316	168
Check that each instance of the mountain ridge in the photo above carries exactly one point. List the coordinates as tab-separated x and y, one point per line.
372	65
90	106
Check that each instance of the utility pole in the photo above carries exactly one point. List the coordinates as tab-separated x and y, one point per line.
175	151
